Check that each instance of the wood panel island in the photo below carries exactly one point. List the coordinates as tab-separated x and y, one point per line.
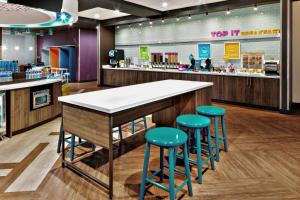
30	103
93	115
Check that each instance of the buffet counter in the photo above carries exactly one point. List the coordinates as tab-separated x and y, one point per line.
240	74
29	103
256	90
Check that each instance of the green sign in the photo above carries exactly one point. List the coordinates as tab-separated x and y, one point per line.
144	53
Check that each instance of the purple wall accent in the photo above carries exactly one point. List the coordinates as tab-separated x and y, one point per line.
88	55
59	38
87	52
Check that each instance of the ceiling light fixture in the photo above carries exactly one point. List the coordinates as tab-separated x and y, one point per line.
177	18
63	16
164	4
30	48
150	22
228	12
118	27
190	17
140	24
255	8
117	11
162	20
96	16
17	48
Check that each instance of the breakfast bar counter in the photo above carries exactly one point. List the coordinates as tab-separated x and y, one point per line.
93	115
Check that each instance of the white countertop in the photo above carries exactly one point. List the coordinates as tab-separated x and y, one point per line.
242	74
122	98
15	86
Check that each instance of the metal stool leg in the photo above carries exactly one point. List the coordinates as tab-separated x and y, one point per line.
145	171
199	155
187	169
224	134
132	127
59	139
72	147
161	164
171	173
145	123
217	139
210	148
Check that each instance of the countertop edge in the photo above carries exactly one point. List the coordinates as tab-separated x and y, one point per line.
196	73
111	111
22	85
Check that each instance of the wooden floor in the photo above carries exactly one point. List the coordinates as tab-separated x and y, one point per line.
263	162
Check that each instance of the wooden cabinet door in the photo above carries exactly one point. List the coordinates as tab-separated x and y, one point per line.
235	89
264	92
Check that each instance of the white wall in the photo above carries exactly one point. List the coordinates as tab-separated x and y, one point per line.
23	41
183	36
296	52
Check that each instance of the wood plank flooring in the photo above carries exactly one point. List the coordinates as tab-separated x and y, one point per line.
263	162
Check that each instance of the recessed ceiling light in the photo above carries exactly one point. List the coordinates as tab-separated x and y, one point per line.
140	24
30	48
255	8
17	48
162	20
96	16
117	11
177	18
228	12
150	22
63	16
164	4
118	27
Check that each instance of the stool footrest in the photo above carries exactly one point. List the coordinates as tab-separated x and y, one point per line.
176	170
181	186
155	173
157	184
195	161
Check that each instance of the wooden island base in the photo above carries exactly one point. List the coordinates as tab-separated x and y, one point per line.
96	126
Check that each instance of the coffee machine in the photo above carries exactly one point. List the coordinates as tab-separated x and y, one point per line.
115	56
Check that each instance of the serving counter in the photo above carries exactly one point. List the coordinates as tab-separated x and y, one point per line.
29	103
238	88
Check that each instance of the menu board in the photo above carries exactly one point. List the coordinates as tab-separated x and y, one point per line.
204	51
252	60
232	50
144	53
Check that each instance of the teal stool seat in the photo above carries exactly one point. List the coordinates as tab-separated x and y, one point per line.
171	139
197	123
210	111
216	112
193	121
166	137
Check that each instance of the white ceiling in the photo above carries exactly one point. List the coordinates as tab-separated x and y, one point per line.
101	14
172	4
18	14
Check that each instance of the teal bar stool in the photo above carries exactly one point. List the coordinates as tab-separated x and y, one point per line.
216	112
133	123
71	140
198	123
171	139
